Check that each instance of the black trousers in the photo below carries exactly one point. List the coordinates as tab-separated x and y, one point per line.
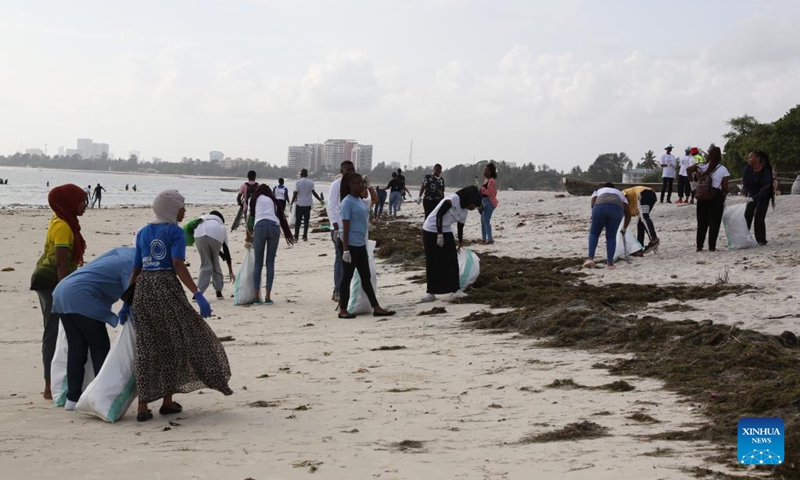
441	263
684	187
282	205
666	187
709	219
301	214
428	206
50	333
359	260
84	335
648	198
757	210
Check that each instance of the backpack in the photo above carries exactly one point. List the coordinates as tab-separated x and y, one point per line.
704	189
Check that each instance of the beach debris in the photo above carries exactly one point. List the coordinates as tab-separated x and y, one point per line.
566	383
789	338
327	354
7	269
263	404
226	338
402	390
361	370
174	424
385	348
495	405
660	452
433	311
302	408
573	431
284	369
312	465
642	418
355	430
413	446
263	375
308	325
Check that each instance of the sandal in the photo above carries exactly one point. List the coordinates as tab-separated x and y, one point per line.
164	410
349	315
588	264
144	416
387	313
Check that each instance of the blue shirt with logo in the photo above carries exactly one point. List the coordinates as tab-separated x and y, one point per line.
354	210
157	244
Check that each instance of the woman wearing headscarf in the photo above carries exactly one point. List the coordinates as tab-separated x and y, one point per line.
489	201
63	254
266	222
176	350
757	186
709	211
441	252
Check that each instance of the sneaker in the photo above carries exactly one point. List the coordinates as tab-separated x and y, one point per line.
428	298
70	405
269	302
219	294
256	302
458	294
680	200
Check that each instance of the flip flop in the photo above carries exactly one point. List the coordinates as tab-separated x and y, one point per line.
164	410
387	313
349	315
144	416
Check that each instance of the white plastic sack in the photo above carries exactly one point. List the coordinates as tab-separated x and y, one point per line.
111	394
58	369
736	230
626	244
359	303
291	218
244	293
469	267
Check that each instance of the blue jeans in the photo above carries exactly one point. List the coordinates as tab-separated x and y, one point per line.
265	234
381	201
486	219
337	262
395	199
608	216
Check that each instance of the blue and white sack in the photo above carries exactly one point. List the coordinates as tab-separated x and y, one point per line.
469	267
58	369
359	303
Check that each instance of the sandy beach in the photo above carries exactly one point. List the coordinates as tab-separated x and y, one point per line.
454	403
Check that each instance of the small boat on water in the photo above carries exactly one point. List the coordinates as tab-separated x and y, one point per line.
229	190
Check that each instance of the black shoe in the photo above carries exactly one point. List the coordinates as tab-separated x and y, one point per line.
669	201
305	239
219	294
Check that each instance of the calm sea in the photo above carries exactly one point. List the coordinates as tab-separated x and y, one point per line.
28	186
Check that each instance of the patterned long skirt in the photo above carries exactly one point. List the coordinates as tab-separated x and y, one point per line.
176	350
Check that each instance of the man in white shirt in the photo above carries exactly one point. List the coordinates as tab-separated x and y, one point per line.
684	187
211	241
303	192
668	165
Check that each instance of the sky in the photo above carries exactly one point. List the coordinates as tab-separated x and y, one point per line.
548	82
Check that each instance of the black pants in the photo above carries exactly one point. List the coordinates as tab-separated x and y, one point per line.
301	214
428	206
648	198
282	205
709	219
359	260
666	187
50	334
84	335
441	263
684	187
757	210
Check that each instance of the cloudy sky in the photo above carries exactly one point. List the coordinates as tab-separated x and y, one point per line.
554	82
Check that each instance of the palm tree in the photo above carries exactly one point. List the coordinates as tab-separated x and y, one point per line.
649	161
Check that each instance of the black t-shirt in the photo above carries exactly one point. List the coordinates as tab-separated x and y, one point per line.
402	180
395	185
434	187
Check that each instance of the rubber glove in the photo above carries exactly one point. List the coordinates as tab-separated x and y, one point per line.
205	307
749	199
346	256
440	240
418	200
123	313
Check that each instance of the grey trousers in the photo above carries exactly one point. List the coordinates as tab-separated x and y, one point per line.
210	269
50	334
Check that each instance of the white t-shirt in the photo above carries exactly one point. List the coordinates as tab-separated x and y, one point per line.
456	214
668	165
212	227
609	195
717	176
686	162
280	192
265	210
88	191
304	187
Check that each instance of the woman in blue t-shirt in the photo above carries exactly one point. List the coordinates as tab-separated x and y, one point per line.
355	216
176	350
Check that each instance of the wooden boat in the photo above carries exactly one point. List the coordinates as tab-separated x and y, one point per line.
582	188
230	190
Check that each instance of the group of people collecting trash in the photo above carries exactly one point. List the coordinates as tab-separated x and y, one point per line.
176	351
703	179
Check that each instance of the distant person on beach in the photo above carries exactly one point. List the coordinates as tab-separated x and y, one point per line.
641	202
281	194
88	191
382	194
268	222
684	186
126	187
355	219
402	180
83	301
757	186
246	191
432	190
211	241
63	254
303	192
709	212
134	187
176	349
609	208
48	184
98	195
668	165
397	190
441	251
489	194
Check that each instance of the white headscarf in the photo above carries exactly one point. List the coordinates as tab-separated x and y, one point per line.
167	205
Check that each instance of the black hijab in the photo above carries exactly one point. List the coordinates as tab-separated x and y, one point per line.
470	196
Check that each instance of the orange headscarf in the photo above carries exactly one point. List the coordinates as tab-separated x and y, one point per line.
65	200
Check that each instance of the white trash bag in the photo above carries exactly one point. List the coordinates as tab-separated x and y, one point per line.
111	394
627	244
58	369
469	267
359	303
291	218
244	293
736	230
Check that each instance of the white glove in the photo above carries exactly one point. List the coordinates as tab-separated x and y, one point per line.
418	200
749	199
346	256
440	240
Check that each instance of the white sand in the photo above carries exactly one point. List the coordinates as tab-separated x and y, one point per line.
352	419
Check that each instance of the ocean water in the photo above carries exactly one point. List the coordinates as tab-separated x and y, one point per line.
28	186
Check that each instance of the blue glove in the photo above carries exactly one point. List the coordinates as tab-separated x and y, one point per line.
123	313
205	307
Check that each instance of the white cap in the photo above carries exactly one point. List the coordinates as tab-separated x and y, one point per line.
668	146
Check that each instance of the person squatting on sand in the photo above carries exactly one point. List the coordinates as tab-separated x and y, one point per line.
758	187
63	254
609	207
641	202
211	241
176	350
709	211
489	201
266	222
83	301
441	252
354	215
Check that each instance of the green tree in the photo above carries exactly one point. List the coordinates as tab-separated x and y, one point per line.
607	167
648	162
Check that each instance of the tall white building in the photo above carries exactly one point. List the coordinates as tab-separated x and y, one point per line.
361	156
216	155
85	147
99	149
333	152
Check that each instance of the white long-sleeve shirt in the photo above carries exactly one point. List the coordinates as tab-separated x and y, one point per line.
335	204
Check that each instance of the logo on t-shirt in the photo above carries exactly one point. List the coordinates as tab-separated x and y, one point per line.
760	441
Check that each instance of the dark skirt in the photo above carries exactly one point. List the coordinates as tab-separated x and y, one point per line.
176	350
441	263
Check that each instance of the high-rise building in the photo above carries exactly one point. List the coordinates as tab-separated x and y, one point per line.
34	151
363	161
85	147
216	155
99	149
295	159
333	152
316	156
